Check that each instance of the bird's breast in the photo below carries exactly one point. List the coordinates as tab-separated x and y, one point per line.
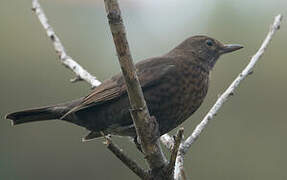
178	96
194	80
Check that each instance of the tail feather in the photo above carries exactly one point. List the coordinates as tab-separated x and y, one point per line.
32	115
42	113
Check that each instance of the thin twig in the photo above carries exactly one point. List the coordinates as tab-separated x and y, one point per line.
177	141
67	61
146	126
132	165
179	173
224	97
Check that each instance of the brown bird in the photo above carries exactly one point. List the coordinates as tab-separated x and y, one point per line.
174	85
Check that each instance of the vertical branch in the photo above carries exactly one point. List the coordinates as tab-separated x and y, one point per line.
146	127
179	173
174	153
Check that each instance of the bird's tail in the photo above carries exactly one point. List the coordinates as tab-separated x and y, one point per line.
42	113
32	115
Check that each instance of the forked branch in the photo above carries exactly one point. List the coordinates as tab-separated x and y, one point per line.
140	114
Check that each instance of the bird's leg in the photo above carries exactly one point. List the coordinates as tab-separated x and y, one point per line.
138	145
156	133
154	127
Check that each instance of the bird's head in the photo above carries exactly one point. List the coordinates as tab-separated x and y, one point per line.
207	49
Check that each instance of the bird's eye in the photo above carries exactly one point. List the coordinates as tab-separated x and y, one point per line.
209	42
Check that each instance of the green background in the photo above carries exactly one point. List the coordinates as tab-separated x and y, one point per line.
246	140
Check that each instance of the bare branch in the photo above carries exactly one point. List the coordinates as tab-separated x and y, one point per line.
67	61
179	173
146	127
125	159
177	141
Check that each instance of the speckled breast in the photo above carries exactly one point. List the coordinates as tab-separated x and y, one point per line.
178	96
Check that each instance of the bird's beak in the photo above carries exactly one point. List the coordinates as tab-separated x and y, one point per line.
227	48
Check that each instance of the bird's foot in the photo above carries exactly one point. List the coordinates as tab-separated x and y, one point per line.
138	145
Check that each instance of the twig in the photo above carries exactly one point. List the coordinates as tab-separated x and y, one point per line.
67	61
179	173
229	92
177	141
146	127
125	159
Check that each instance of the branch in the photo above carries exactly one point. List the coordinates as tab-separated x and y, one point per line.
177	141
146	126
125	159
67	61
179	173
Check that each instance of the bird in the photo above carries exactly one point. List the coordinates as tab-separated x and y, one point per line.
174	86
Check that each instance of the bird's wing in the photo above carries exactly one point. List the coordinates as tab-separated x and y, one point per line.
149	71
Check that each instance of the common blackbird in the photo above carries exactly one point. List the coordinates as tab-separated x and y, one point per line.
174	85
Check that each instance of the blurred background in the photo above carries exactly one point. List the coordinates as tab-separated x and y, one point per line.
246	140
